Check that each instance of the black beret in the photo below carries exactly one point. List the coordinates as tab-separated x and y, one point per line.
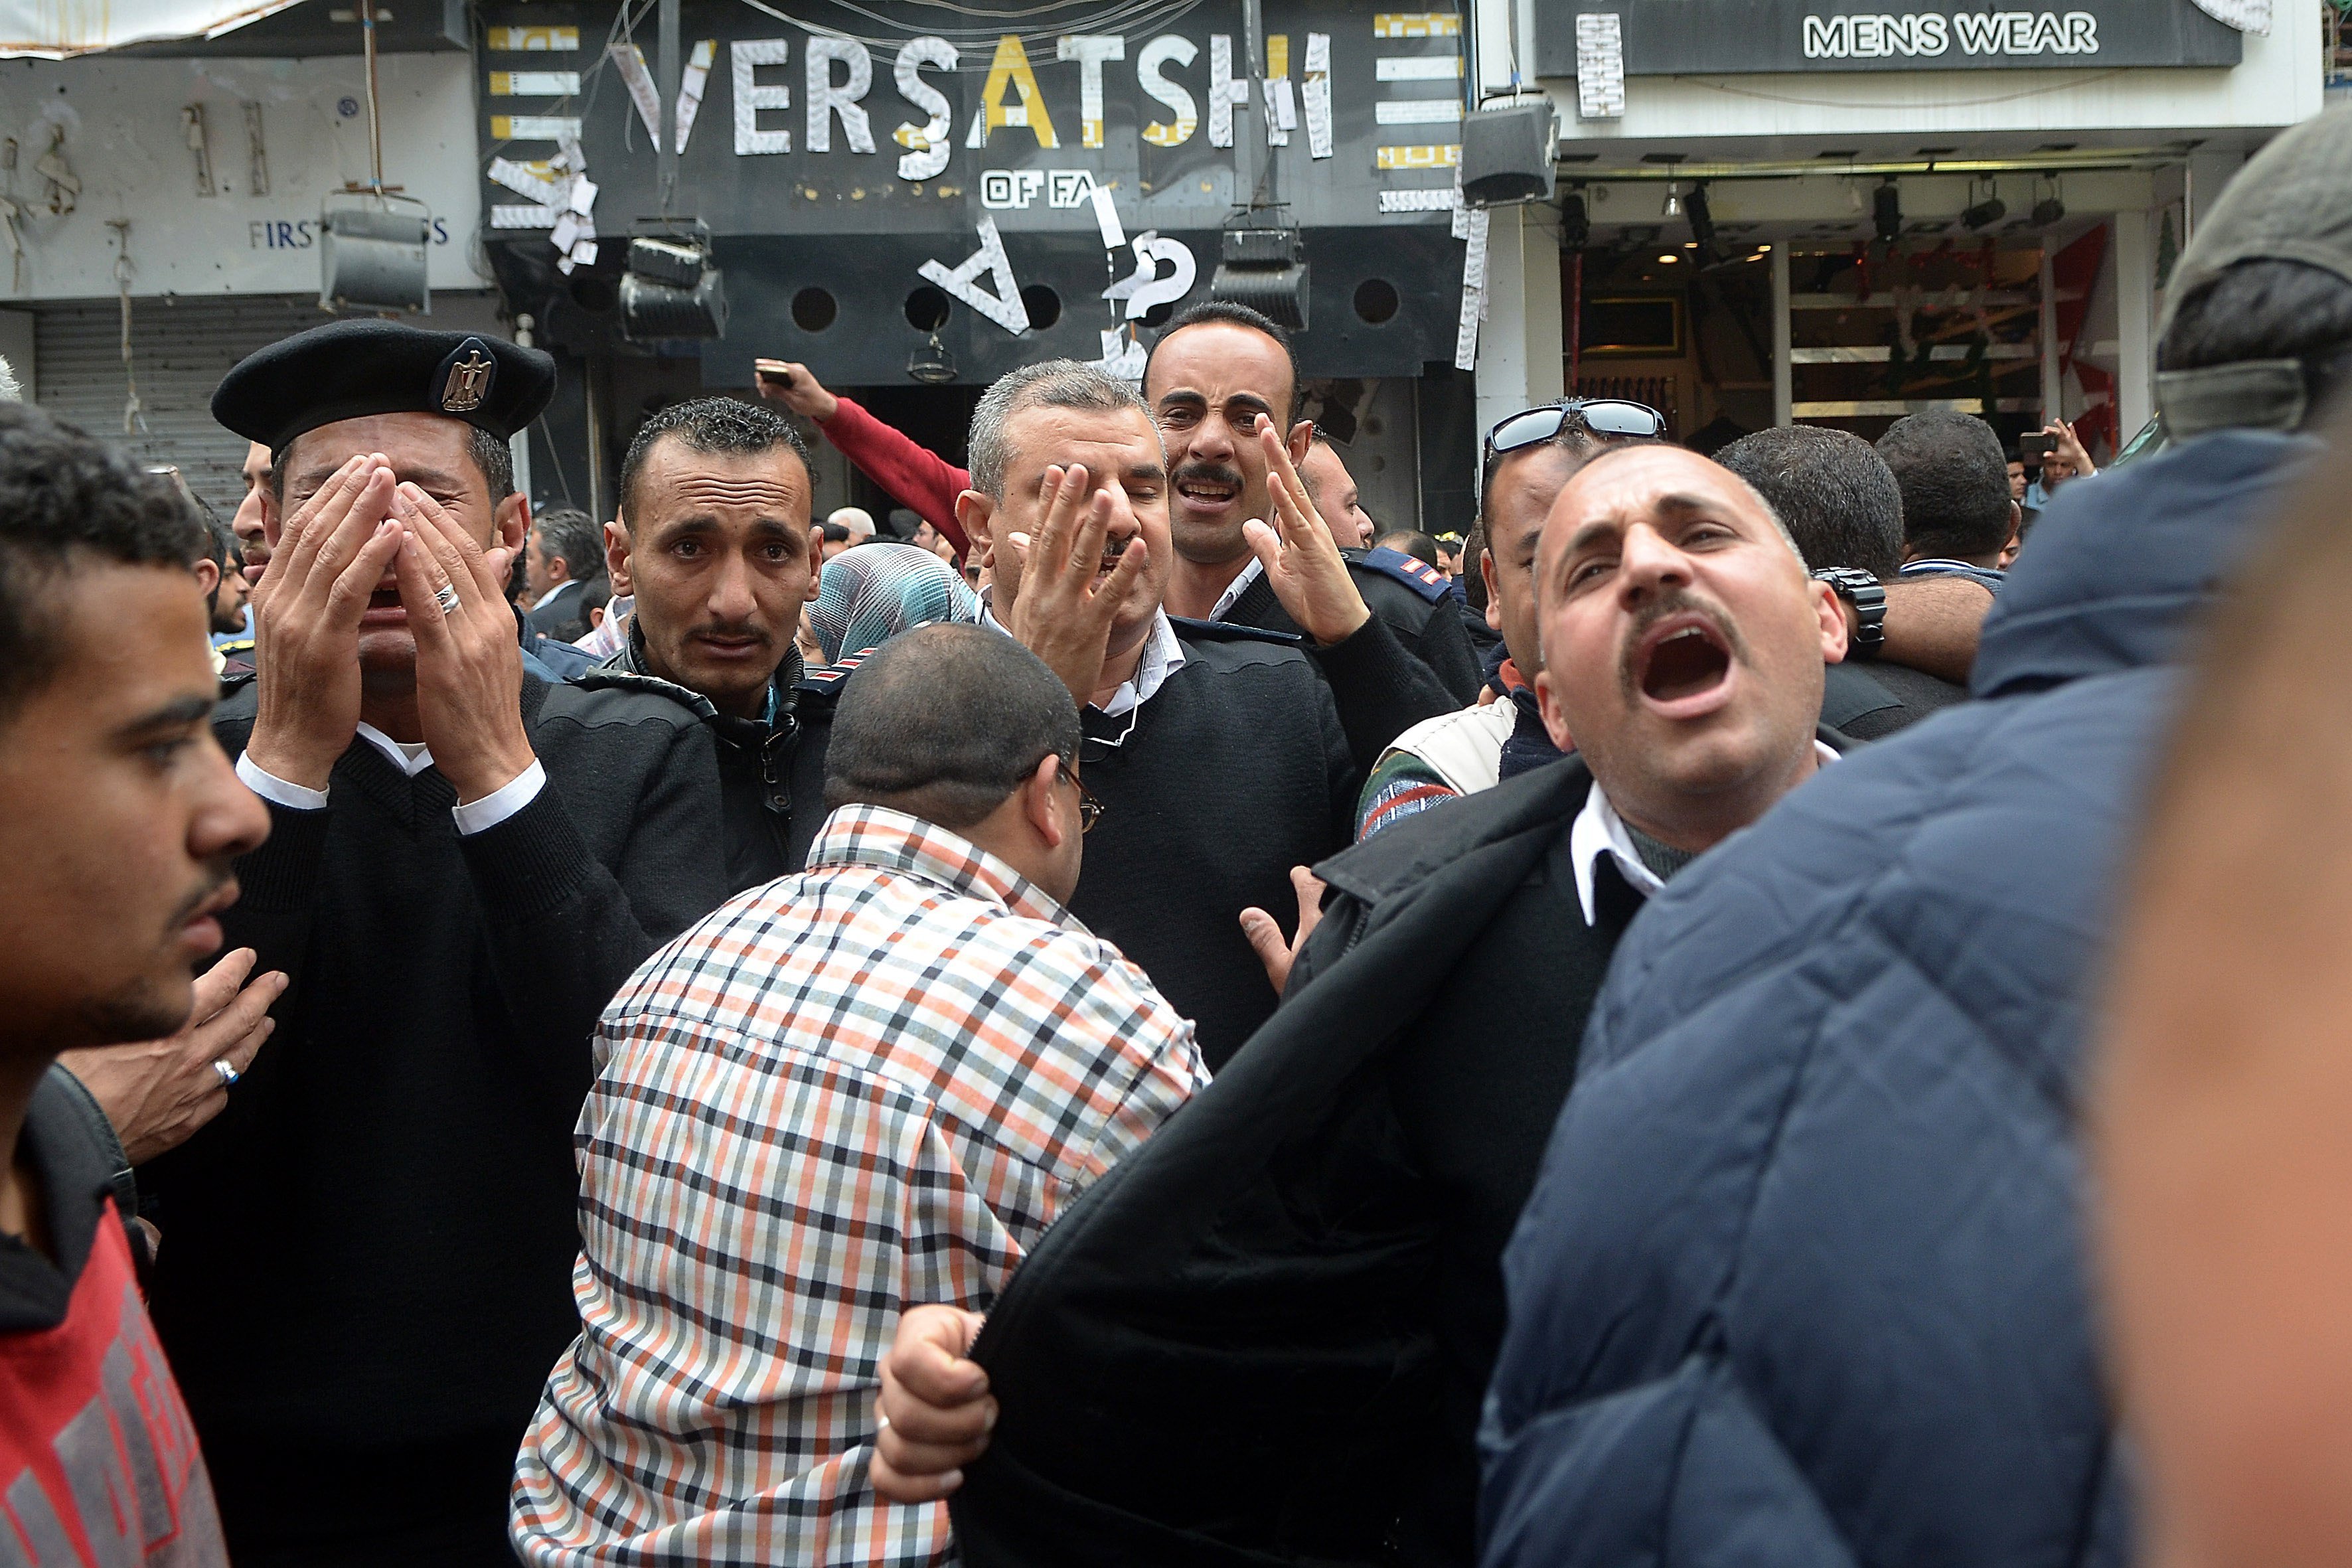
349	370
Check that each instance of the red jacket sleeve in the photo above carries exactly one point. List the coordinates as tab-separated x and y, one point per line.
919	477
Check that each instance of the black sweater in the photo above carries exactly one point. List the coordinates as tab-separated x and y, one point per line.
371	1247
1234	771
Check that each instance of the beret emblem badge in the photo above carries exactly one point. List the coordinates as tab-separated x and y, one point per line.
468	381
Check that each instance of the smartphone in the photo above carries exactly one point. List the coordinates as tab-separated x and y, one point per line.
2035	448
773	370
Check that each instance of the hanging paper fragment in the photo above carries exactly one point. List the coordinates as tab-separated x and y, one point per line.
1599	65
630	61
691	84
1473	292
1114	234
1316	91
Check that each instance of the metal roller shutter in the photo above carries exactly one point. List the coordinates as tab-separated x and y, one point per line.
179	348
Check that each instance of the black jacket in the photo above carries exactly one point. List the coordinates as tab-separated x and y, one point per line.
1867	700
1263	1337
771	773
1424	618
369	1266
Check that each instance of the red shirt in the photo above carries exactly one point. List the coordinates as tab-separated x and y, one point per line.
99	1461
927	483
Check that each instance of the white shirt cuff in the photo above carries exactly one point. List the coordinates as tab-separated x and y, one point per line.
276	791
481	815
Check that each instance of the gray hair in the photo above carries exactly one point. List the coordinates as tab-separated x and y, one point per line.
1052	384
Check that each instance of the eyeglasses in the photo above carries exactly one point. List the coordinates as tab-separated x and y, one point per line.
1090	810
1601	415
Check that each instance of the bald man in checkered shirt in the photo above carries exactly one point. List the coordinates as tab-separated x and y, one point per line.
867	1086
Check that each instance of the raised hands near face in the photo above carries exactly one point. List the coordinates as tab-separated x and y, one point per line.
468	662
308	607
1302	560
1072	583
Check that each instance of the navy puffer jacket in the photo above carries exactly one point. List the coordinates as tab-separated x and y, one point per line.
1803	1280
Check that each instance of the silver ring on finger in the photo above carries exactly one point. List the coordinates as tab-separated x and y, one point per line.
229	1075
445	597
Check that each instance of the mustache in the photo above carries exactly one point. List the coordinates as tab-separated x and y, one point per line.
1678	602
1212	473
722	629
218	875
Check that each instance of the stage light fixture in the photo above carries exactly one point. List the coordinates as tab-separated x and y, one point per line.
372	254
1575	222
1886	211
2049	209
1988	212
671	289
1264	267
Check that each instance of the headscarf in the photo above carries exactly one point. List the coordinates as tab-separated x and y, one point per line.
873	593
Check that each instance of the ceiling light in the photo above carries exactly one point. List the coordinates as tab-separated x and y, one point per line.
1669	258
1575	224
1886	212
1988	212
1673	207
931	364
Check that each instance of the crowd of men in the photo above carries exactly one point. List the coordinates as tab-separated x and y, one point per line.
1224	1044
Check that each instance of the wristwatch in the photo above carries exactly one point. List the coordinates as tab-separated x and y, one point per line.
1868	598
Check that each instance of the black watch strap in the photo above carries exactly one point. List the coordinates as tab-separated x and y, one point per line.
1868	598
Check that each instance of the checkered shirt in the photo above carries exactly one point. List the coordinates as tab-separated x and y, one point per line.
865	1087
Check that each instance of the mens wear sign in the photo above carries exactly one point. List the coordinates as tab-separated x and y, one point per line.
1665	37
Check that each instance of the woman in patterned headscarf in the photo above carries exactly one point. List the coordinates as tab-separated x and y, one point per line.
874	592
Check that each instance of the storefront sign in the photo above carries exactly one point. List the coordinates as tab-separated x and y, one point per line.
782	129
1746	37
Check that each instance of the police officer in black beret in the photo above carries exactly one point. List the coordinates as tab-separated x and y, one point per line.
368	1272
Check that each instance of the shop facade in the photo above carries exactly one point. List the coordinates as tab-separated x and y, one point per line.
1838	213
161	216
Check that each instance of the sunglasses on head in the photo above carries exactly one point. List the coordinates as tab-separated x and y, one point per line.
1601	415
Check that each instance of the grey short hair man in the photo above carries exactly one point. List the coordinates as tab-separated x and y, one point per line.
867	1086
566	551
1051	384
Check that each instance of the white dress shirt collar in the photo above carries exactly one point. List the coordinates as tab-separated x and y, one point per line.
1163	655
1599	830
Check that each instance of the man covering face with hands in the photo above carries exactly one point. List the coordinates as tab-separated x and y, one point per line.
371	1248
